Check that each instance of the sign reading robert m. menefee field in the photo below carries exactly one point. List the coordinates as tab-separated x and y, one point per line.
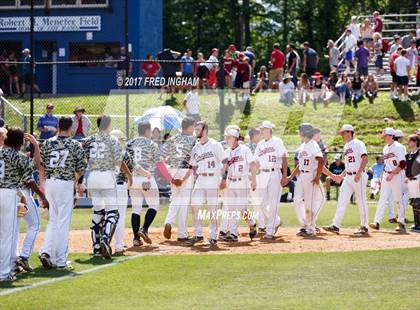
51	23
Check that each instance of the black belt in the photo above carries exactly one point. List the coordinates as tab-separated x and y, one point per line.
207	174
412	178
235	180
352	172
389	172
120	183
267	170
304	171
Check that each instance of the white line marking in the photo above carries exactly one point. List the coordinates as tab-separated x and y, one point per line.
70	275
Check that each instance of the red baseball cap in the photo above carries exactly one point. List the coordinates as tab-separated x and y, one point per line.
232	47
214	50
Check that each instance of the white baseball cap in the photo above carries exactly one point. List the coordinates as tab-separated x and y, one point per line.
337	156
236	127
267	124
389	131
398	133
26	50
346	127
231	132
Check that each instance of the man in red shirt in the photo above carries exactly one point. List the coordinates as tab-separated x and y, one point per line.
150	68
243	75
277	64
379	24
393	87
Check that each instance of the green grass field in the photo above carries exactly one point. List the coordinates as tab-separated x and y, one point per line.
359	280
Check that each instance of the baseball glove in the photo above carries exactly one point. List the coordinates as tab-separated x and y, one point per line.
176	182
146	186
22	210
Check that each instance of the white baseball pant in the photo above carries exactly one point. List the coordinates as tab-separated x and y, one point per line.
138	196
8	214
102	190
122	201
395	186
347	188
269	189
180	199
236	200
59	194
309	199
205	192
257	209
414	188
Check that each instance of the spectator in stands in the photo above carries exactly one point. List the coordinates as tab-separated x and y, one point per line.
122	66
262	79
376	172
201	71
209	67
377	22
191	104
150	67
343	88
292	62
249	53
402	69
187	64
417	92
303	87
337	167
350	43
243	74
395	45
354	26
13	74
318	88
108	58
330	86
406	40
277	63
370	87
412	55
356	89
81	124
26	73
366	33
287	89
228	63
48	123
393	88
168	64
310	59
333	55
379	54
362	57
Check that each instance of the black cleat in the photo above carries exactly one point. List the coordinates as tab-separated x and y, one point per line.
253	231
374	226
332	229
144	235
392	220
106	250
222	235
193	240
24	264
231	238
46	261
363	231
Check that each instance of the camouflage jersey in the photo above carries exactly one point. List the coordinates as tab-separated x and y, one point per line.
15	168
144	152
121	176
62	157
177	151
103	151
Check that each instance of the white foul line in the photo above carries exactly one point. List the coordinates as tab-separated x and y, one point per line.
70	275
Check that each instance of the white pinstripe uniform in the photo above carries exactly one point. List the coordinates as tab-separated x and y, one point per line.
353	152
309	197
394	153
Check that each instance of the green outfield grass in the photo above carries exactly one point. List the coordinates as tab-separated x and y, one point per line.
356	280
368	119
82	217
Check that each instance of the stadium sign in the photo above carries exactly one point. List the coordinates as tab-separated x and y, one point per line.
51	23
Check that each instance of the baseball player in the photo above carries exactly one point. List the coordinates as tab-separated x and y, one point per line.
309	196
122	196
104	154
146	156
254	138
413	178
207	162
63	161
354	181
30	215
271	156
177	153
392	179
240	164
15	169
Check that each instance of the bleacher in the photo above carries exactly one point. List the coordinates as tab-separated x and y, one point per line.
394	24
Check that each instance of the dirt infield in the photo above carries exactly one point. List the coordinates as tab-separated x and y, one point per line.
286	241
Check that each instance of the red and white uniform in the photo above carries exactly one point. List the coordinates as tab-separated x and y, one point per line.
208	159
269	154
309	197
394	153
353	152
237	191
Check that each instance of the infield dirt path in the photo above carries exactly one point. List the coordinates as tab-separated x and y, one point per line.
286	242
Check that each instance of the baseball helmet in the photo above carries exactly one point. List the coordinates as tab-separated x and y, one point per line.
307	130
